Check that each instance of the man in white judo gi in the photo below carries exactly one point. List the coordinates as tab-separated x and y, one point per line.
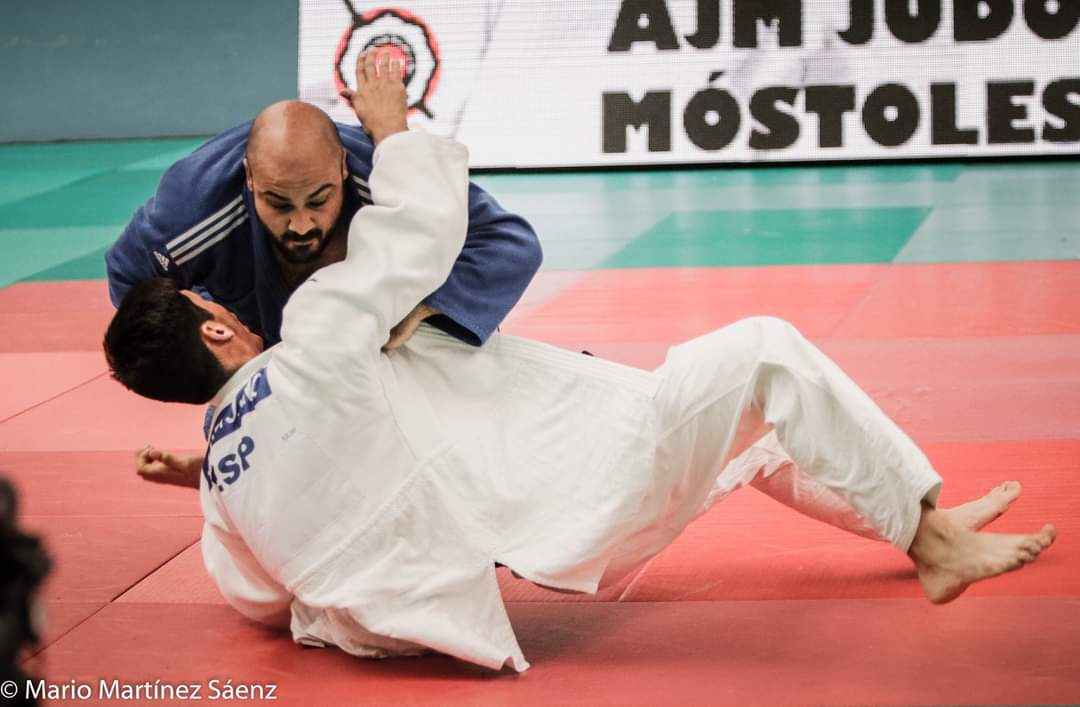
365	496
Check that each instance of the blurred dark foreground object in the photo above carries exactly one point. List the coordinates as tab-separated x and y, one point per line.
23	565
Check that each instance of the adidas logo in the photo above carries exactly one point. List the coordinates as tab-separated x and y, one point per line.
162	260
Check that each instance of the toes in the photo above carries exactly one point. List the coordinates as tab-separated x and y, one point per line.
1048	533
1032	545
1011	489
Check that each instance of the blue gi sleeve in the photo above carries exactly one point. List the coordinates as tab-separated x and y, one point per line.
131	259
500	258
129	262
189	196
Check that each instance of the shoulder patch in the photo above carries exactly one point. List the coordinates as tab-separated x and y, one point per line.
232	414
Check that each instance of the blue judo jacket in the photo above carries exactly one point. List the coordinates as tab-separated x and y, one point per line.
201	230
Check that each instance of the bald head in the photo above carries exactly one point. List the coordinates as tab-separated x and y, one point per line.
296	170
292	136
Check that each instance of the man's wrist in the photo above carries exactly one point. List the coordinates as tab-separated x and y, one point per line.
379	136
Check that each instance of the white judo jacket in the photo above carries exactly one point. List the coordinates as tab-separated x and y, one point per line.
364	497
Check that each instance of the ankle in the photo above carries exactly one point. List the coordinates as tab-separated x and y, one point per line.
935	530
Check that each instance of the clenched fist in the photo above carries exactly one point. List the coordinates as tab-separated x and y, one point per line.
163	467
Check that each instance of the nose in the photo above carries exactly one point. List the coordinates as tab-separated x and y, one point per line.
301	222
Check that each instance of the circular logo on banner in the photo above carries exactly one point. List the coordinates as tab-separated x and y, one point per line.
406	37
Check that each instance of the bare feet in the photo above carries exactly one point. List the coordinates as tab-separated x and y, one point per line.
949	557
976	514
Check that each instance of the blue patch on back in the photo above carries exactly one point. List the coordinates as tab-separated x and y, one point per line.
232	415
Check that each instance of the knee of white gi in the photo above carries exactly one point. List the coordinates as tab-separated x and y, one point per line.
771	324
746	342
734	353
784	358
772	330
776	345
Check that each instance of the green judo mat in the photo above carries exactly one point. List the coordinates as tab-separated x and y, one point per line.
62	205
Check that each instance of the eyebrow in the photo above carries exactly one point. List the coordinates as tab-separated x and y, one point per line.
315	193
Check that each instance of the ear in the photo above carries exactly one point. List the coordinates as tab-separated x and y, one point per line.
247	176
215	332
344	165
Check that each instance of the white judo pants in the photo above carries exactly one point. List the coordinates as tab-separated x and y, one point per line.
733	402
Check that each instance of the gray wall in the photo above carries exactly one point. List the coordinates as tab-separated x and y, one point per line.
72	69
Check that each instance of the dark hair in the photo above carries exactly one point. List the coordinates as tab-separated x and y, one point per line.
154	347
23	565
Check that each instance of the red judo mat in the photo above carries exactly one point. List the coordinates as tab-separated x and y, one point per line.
841	651
752	605
54	316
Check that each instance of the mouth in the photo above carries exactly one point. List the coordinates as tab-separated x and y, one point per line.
302	243
298	249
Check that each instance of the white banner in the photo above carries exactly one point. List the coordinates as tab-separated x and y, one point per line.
573	82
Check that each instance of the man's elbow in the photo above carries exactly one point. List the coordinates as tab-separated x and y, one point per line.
532	254
123	270
116	285
537	258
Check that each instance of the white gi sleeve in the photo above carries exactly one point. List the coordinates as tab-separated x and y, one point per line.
401	248
411	577
241	580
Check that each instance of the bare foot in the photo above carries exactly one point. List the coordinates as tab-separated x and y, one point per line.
949	558
975	515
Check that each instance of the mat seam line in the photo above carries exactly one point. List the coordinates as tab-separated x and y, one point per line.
45	646
54	397
112	600
887	268
164	562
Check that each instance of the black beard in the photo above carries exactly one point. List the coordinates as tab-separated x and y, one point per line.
305	258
